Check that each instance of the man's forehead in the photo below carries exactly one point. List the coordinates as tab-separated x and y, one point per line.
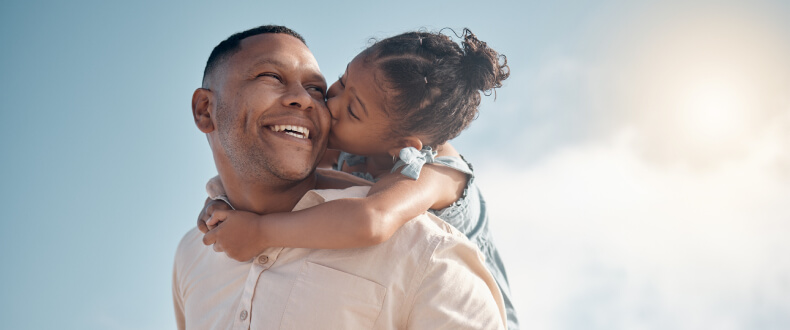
276	49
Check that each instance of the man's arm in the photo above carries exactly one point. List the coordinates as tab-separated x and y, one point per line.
457	291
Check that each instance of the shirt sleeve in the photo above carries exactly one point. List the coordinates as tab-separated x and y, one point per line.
457	291
178	300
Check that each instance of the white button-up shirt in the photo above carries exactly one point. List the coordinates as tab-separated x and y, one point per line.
426	276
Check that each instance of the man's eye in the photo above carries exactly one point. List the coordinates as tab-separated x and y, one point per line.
316	89
271	75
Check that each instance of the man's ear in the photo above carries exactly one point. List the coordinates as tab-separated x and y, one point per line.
409	141
202	100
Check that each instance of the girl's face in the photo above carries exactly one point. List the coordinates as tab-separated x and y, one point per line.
356	101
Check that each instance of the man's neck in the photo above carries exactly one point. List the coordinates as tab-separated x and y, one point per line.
264	198
379	165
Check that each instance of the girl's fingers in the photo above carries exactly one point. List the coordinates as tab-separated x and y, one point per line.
202	226
216	217
211	238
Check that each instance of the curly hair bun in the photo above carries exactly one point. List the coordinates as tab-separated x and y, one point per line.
480	65
436	82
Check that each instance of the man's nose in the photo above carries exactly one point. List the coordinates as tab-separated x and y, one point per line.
298	97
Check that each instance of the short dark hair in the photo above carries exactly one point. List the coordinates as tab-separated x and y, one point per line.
437	82
232	44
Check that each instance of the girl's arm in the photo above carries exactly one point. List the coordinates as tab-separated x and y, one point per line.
359	222
326	179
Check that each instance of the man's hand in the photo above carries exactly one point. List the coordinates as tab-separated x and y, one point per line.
205	214
239	234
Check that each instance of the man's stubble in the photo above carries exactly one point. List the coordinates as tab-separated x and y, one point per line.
248	161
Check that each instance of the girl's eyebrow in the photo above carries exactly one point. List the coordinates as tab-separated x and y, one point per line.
360	103
354	92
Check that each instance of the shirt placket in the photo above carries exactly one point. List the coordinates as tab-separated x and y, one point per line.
260	264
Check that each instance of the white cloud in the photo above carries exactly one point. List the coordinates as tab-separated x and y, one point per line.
595	237
677	220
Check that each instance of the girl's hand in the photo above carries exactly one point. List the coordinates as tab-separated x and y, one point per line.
205	213
239	234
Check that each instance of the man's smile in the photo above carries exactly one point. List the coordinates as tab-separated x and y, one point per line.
292	130
292	127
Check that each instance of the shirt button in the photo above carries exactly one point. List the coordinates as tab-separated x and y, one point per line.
243	315
263	259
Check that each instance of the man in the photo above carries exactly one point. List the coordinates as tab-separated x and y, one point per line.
427	276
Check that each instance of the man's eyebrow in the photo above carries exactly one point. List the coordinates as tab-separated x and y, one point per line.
268	60
317	76
253	69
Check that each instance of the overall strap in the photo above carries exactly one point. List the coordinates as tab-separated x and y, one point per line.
412	161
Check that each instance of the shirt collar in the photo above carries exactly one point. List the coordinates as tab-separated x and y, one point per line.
318	196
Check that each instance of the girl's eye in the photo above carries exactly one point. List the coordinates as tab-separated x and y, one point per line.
350	112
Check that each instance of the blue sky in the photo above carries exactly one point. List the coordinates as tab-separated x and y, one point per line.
637	162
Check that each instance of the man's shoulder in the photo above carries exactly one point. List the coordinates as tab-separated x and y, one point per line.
432	232
191	246
191	239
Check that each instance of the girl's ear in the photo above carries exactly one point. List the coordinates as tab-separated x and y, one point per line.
409	141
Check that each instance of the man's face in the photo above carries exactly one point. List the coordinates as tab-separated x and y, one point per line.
269	111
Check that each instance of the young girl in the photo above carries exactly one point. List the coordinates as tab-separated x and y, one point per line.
393	111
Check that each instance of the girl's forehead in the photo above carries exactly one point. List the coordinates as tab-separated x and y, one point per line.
365	81
360	62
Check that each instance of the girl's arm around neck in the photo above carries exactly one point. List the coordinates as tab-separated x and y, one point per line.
366	221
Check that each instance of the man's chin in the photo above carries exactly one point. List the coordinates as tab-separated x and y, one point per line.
295	172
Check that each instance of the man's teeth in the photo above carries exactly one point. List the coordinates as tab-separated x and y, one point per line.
292	130
295	135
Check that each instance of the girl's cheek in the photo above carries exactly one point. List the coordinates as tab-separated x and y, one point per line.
333	105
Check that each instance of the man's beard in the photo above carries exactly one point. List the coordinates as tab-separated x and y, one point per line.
248	162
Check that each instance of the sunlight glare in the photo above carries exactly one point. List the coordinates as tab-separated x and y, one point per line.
714	113
702	90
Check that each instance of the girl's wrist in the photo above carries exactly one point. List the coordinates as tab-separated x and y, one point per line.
263	232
